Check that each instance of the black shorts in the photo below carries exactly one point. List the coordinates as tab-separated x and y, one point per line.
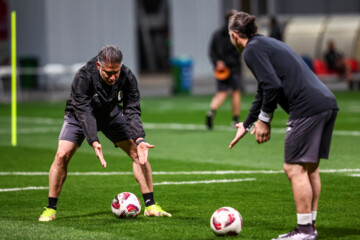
308	139
232	83
115	130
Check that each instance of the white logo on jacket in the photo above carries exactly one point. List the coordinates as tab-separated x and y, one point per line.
120	95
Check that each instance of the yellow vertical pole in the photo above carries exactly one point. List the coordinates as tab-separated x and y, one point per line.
13	79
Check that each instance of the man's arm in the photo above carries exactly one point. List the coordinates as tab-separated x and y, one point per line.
260	64
132	113
254	110
212	50
266	99
131	106
81	101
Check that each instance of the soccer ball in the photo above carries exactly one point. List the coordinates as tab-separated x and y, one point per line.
126	205
226	221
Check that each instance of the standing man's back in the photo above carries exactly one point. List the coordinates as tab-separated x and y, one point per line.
277	67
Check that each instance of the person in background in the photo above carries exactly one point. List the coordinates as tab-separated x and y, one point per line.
226	62
275	31
285	79
104	97
336	62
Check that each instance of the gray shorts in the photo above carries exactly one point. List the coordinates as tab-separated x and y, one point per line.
308	139
115	130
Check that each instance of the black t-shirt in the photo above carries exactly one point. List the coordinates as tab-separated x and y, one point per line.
285	79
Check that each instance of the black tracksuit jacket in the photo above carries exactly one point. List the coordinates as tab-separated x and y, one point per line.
94	103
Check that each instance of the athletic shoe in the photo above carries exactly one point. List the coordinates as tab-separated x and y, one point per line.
296	235
155	211
48	215
315	230
210	120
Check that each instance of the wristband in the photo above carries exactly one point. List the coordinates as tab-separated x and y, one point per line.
140	141
265	117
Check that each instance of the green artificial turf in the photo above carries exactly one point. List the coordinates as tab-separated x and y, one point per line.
175	125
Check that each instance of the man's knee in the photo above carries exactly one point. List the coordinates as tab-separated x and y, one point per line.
129	147
133	154
293	170
62	158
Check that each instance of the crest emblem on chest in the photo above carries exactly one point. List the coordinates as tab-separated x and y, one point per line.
120	95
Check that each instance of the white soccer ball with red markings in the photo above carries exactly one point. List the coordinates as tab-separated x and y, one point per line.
126	205
226	221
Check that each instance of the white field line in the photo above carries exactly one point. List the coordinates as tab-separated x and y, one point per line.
155	184
168	173
205	181
40	120
164	126
176	173
354	175
179	126
21	189
32	130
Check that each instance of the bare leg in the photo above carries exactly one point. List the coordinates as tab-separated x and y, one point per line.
314	176
301	186
58	170
142	173
236	102
217	100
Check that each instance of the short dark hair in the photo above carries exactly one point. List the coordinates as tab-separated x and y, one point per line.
110	54
243	24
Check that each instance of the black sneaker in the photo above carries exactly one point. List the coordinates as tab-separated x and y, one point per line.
210	120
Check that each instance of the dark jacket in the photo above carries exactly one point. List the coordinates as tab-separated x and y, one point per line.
94	103
285	79
222	49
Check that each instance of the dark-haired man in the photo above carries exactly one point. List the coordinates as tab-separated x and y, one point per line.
97	91
284	78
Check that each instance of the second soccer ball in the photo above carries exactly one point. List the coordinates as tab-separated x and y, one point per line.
126	205
226	221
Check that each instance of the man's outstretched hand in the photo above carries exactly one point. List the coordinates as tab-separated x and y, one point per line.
143	151
98	150
239	134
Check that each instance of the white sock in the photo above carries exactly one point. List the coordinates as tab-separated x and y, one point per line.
304	218
313	215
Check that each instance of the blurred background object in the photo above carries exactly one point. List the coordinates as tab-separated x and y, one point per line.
56	37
